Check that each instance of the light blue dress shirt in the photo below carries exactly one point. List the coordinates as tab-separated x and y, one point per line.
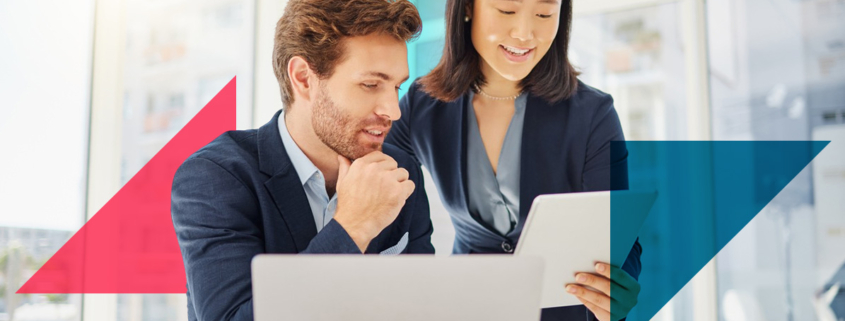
314	183
322	206
494	197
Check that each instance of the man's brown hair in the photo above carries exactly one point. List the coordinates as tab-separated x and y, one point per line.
315	29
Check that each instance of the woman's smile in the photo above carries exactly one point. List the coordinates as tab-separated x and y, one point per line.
516	54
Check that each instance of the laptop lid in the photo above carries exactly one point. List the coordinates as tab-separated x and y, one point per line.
356	287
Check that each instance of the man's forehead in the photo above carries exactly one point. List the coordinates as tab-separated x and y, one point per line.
372	56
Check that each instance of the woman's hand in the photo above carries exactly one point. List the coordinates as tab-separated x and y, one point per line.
612	293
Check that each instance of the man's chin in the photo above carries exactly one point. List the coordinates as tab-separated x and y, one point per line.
362	151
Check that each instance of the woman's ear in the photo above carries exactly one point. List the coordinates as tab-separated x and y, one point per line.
468	11
299	72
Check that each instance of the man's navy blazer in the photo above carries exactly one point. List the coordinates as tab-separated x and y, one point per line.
565	148
240	196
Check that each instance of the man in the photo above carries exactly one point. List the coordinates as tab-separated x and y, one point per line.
314	179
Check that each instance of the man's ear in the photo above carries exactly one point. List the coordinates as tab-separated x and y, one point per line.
301	80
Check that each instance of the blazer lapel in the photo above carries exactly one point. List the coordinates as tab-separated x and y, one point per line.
284	185
461	117
539	159
445	151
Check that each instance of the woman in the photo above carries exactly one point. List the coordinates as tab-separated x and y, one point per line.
502	119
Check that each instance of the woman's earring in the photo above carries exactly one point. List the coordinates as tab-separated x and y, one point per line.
466	18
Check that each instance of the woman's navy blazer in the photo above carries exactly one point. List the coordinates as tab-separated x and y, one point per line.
566	147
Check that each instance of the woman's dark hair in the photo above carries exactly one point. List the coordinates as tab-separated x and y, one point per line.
553	78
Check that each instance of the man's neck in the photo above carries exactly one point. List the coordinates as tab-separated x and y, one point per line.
302	133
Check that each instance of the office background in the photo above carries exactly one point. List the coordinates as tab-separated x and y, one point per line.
92	89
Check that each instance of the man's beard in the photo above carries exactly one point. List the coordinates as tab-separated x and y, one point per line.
339	131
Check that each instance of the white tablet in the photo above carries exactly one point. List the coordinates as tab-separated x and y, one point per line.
572	232
405	287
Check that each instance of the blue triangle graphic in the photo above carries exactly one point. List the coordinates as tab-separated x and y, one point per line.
707	192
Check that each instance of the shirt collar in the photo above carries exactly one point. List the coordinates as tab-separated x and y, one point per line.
303	166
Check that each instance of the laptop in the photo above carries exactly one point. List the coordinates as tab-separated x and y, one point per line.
571	232
411	287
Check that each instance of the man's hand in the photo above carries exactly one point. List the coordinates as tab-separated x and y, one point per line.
370	194
613	294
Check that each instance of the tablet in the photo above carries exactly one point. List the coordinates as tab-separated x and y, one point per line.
404	287
571	232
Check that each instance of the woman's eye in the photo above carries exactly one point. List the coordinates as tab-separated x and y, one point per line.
370	85
506	12
544	16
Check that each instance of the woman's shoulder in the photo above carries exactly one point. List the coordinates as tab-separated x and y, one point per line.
418	97
418	106
589	97
588	103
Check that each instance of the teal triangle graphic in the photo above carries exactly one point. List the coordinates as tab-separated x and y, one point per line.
707	192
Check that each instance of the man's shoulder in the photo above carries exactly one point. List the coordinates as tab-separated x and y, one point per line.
236	148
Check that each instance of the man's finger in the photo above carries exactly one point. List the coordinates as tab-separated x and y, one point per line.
373	157
343	167
400	174
381	161
597	282
389	162
408	187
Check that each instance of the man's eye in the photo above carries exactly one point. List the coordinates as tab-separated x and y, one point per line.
544	15
370	85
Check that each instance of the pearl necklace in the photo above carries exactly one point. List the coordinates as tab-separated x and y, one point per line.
514	97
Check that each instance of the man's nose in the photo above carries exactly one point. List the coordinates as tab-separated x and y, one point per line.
389	107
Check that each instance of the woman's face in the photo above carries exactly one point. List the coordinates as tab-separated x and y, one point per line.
511	36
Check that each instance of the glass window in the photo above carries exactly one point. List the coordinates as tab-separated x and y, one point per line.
777	72
178	56
45	85
638	57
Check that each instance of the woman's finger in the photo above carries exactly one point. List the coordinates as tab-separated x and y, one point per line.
601	314
599	299
597	282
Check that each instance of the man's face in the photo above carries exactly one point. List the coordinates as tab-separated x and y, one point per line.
355	107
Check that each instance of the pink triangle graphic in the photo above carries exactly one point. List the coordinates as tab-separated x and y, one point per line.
130	245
